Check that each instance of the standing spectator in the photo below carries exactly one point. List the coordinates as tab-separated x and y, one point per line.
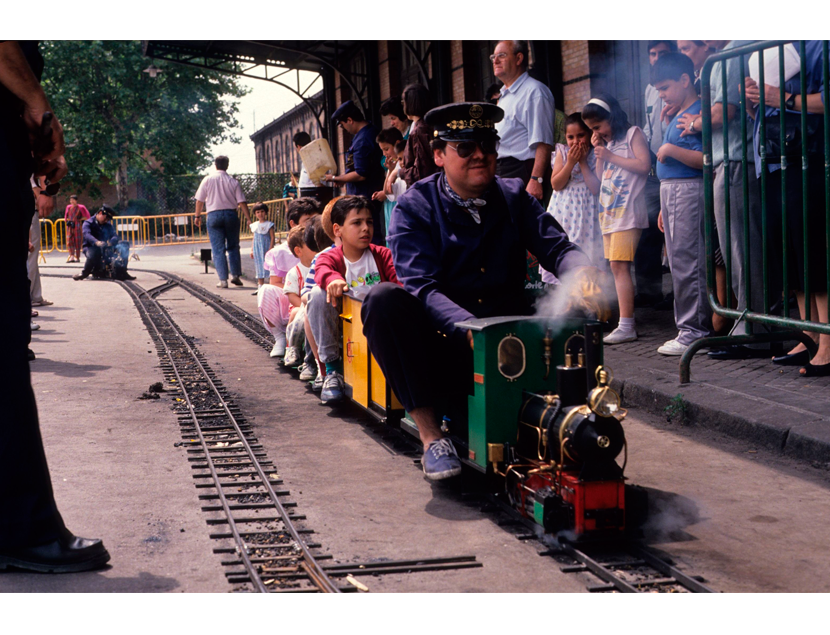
35	288
575	190
386	139
32	533
697	51
623	164
792	185
726	108
417	156
680	170
393	108
220	194
648	261
74	217
526	132
289	190
363	176
262	242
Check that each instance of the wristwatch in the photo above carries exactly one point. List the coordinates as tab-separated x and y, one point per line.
789	103
692	125
538	179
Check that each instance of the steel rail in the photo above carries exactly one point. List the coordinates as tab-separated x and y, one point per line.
315	572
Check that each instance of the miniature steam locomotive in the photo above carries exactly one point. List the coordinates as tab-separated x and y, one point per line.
542	423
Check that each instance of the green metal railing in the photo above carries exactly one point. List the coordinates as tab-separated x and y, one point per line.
780	327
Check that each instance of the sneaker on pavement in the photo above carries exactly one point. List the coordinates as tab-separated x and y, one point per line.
43	302
440	460
279	347
332	388
618	336
309	372
672	347
317	384
235	280
222	284
292	356
35	327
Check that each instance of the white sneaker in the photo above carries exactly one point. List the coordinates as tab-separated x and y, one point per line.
35	327
292	356
309	372
672	347
618	336
279	346
222	284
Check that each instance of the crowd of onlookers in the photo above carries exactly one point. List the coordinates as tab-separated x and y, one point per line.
630	196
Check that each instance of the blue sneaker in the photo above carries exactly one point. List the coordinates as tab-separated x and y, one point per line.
332	388
440	460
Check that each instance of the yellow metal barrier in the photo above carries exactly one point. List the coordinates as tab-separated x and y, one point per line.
47	236
60	235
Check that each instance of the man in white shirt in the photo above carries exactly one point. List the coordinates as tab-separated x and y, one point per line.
526	132
220	194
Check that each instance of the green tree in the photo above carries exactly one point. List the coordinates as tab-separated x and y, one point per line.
120	123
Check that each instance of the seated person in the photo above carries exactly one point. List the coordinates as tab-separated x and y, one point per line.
280	259
294	282
354	266
459	240
323	235
106	254
273	303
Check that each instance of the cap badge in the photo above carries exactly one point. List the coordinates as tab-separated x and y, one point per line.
476	111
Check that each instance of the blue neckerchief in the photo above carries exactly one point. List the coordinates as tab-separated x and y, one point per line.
471	205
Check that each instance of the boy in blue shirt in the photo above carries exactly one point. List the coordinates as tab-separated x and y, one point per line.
680	170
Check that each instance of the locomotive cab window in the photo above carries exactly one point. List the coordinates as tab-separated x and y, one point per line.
511	357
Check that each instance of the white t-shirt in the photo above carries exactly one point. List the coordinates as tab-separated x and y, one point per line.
363	274
295	279
305	181
279	260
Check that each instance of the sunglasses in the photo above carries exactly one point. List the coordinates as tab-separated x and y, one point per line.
465	149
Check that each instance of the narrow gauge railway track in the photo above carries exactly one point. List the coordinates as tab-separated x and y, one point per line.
270	554
626	568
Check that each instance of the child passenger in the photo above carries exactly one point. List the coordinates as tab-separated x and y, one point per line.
680	170
273	302
280	259
575	189
354	266
263	241
294	281
623	164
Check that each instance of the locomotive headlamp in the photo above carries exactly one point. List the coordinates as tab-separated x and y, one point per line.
604	400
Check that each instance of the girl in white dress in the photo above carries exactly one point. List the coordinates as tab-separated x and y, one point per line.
575	190
263	231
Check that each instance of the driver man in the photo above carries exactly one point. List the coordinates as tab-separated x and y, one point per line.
459	241
102	246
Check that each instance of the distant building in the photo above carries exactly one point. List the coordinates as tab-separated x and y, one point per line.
273	143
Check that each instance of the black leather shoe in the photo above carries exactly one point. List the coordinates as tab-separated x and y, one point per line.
236	281
67	554
80	276
125	276
738	351
31	354
793	359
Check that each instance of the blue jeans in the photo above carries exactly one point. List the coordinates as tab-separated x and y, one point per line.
223	229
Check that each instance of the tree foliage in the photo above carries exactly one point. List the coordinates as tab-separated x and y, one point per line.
120	123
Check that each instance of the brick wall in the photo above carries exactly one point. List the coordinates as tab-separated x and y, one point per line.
457	66
575	71
383	69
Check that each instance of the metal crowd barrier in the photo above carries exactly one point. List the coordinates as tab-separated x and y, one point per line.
776	292
163	229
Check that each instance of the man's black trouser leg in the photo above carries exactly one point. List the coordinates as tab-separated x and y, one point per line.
422	366
28	514
648	262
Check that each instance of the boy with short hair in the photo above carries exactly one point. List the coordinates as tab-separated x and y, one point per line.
680	170
280	259
354	266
